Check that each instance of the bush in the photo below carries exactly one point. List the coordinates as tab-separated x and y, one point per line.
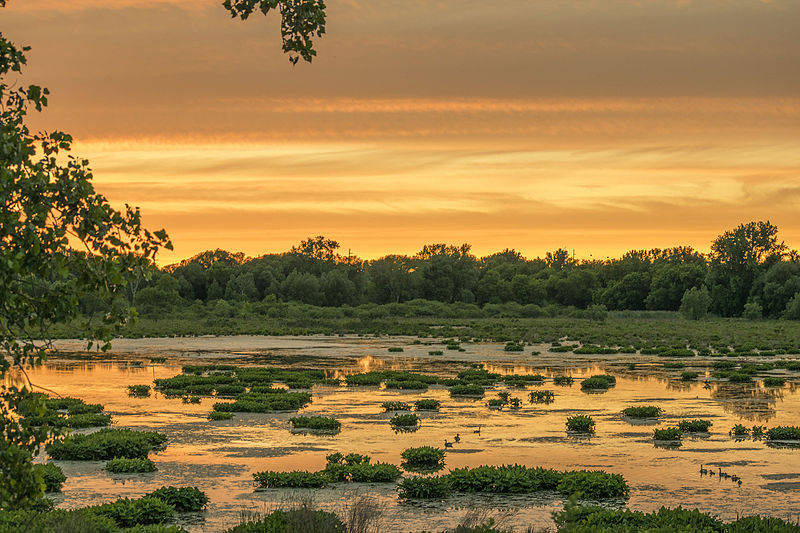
424	488
774	382
59	520
647	411
594	485
752	311
695	303
689	376
139	391
315	422
601	382
293	480
362	472
183	499
128	513
120	465
784	433
581	423
293	521
695	426
507	479
671	433
468	389
219	415
106	444
542	396
406	420
739	430
423	457
52	475
562	380
395	406
252	402
427	405
512	346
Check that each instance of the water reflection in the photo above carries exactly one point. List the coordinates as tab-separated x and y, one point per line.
747	401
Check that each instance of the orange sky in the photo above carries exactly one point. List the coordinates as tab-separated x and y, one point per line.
599	126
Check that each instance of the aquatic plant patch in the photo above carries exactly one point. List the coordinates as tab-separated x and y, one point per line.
219	415
183	499
644	411
437	487
363	472
293	480
139	391
435	352
251	402
695	426
581	423
129	513
405	420
395	349
291	521
542	396
406	385
427	405
774	382
739	431
669	434
52	475
593	484
783	433
123	465
315	422
467	390
106	444
423	457
395	406
689	376
563	380
601	382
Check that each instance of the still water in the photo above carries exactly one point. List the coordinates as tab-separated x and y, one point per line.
220	457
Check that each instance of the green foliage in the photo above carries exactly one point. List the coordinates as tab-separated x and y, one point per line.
739	430
542	396
601	382
315	422
294	480
405	420
695	426
695	303
774	382
395	406
783	433
581	423
59	520
512	346
252	402
125	465
689	376
437	487
753	311
128	513
467	389
183	499
594	485
646	411
563	380
106	444
435	352
670	433
139	391
302	520
423	458
52	475
407	385
361	472
427	405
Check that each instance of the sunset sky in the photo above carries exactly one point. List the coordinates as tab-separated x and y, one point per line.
598	126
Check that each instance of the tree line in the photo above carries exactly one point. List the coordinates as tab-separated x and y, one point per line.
748	271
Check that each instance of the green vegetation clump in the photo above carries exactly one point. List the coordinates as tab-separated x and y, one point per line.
315	422
395	349
119	465
129	513
774	382
563	380
739	430
435	352
689	376
695	426
739	377
423	458
395	406
406	420
106	444
426	404
601	382
647	411
183	499
674	365
542	396
670	434
292	521
512	346
592	349
437	487
52	475
292	480
406	385
251	402
139	391
593	484
580	423
467	390
783	433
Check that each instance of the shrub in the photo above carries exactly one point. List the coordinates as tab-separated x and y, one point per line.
600	382
774	382
139	391
594	485
106	444
293	480
542	396
508	479
293	521
512	346
739	377
123	465
427	405
59	520
467	390
739	430
219	415
647	411
406	420
424	488
695	426
362	472
52	475
581	423
128	513
423	457
562	380
229	389
251	402
784	433
695	303
315	422
689	376
498	403
395	406
752	311
671	433
183	499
